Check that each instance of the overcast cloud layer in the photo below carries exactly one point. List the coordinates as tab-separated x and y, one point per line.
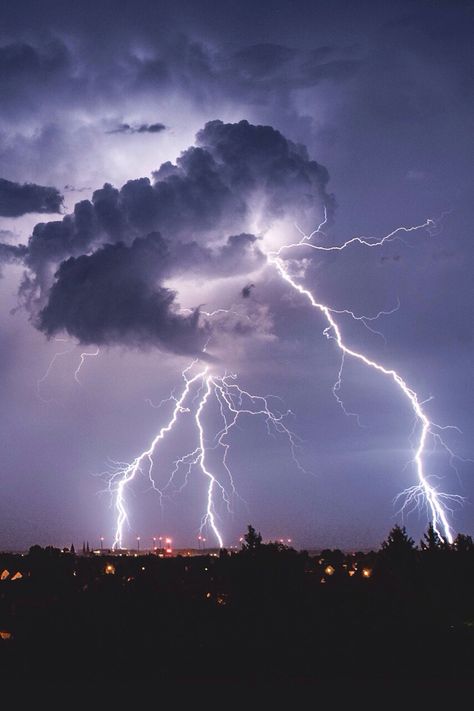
147	155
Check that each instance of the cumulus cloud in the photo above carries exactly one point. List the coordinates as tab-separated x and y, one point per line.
17	199
100	273
114	296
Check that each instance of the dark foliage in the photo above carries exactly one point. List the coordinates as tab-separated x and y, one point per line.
296	615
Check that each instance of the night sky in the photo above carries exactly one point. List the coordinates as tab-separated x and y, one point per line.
151	153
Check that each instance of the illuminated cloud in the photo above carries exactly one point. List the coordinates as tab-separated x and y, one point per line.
100	273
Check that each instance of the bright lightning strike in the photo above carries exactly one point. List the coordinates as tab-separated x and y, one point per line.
233	403
203	387
423	492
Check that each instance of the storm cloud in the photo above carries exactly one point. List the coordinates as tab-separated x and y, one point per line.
99	273
17	200
112	297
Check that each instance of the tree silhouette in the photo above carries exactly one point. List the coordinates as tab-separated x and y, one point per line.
398	542
463	543
252	540
431	540
398	553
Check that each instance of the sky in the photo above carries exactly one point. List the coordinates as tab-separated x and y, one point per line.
152	155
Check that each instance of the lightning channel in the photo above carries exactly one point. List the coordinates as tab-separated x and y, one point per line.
82	360
423	492
199	392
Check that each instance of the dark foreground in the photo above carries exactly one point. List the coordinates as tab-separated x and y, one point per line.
266	613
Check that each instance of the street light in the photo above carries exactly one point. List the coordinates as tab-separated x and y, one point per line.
154	543
138	543
101	543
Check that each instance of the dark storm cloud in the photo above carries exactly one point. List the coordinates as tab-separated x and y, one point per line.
112	296
257	158
253	74
80	73
205	195
17	200
142	128
115	251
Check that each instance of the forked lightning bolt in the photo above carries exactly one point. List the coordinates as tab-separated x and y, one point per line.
233	403
200	389
423	491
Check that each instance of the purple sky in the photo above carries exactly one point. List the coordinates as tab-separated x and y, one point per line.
367	109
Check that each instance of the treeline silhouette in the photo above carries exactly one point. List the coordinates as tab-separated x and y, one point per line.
266	612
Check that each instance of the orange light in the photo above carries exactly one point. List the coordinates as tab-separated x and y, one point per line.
4	634
110	569
329	570
366	572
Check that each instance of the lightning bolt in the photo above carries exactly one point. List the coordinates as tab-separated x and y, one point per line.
124	475
423	492
205	387
82	360
196	397
53	360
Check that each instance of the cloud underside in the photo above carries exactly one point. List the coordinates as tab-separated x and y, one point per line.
17	199
99	273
